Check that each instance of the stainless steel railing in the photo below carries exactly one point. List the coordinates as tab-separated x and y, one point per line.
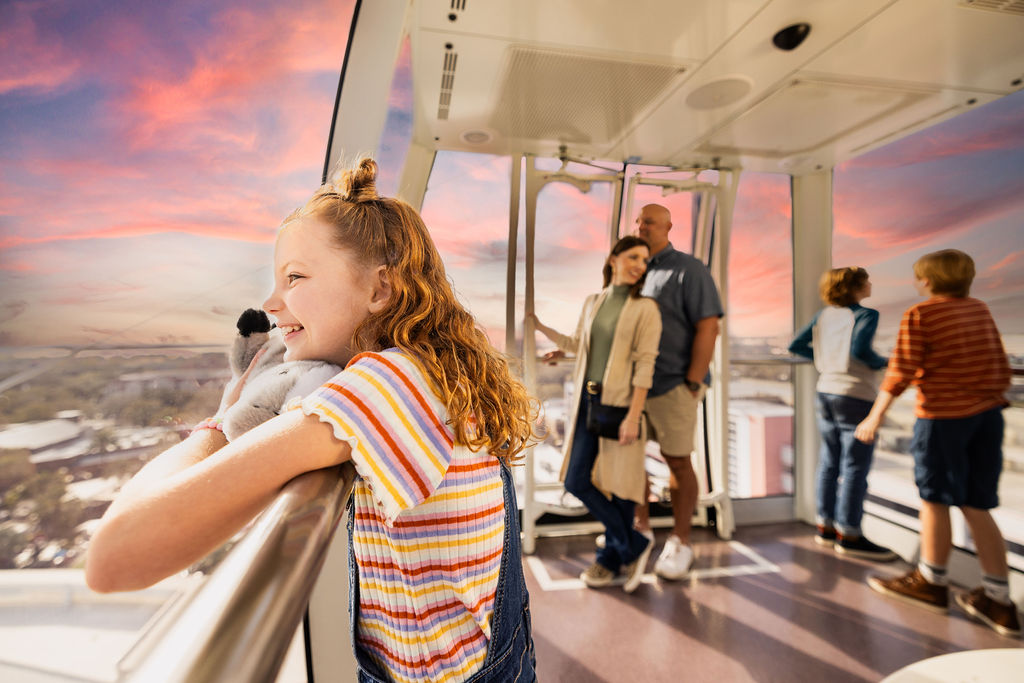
238	624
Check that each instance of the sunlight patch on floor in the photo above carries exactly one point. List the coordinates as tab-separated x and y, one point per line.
757	565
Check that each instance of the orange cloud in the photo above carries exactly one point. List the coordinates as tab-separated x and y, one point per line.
1009	260
32	61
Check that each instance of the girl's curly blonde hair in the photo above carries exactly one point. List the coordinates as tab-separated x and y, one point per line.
487	406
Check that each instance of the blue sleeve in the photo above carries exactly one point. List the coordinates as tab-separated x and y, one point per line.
700	295
801	344
865	322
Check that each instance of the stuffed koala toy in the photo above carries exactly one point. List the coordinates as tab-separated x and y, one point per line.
273	381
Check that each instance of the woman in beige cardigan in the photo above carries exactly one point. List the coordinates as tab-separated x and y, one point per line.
616	343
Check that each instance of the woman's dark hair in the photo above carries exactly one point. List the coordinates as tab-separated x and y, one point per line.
625	244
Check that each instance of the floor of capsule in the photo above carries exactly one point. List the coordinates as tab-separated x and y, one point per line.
769	605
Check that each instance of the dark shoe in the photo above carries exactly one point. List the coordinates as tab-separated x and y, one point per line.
597	576
999	617
825	536
858	546
914	589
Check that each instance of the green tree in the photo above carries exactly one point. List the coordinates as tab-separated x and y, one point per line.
15	467
11	543
56	514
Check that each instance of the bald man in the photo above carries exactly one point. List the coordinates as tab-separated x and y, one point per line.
690	310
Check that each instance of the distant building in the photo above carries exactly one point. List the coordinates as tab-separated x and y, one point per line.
66	441
49	440
761	449
138	383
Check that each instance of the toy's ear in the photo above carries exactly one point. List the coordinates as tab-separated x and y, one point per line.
253	320
253	327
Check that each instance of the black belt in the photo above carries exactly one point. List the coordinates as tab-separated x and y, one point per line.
592	388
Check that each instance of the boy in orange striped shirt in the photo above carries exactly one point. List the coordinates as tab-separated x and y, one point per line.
949	348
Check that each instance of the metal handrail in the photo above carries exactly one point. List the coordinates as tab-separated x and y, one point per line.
239	623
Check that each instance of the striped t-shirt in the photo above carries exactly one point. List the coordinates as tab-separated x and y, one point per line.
428	520
950	349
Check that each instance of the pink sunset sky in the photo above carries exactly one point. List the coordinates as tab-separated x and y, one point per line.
148	152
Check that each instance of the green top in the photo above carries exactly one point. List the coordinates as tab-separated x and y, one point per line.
602	330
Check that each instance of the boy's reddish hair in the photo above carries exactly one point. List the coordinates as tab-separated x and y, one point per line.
950	272
839	286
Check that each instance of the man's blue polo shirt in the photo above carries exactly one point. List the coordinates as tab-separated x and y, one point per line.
686	294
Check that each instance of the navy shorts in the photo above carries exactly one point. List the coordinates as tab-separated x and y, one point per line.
958	461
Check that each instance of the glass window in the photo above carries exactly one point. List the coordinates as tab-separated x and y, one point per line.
143	185
466	210
397	133
957	185
760	313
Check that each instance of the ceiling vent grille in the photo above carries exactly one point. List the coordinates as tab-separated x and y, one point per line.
444	103
1015	7
459	4
574	98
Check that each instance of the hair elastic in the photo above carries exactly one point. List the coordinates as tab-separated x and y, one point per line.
209	423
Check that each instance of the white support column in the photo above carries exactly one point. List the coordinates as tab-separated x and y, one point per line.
534	183
369	66
717	403
510	266
419	162
812	255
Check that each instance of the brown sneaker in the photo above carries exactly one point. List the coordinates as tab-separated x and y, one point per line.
999	617
913	588
597	576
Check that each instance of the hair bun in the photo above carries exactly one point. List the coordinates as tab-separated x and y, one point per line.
358	184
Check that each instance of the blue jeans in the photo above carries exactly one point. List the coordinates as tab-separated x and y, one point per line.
510	653
843	462
623	543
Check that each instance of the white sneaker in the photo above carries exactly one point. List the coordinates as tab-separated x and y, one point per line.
675	559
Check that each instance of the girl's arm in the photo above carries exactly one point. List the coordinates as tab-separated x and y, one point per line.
864	326
196	495
801	344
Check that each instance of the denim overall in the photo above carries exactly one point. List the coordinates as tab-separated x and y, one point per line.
510	655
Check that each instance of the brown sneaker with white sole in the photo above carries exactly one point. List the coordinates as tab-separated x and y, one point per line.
999	617
913	588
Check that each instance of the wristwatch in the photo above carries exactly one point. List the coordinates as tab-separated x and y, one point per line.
691	385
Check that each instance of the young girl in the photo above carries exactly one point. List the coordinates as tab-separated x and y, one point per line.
425	409
838	340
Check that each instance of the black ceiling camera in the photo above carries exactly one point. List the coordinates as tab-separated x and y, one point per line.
790	37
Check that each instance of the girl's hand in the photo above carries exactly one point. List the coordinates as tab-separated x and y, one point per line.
629	430
866	430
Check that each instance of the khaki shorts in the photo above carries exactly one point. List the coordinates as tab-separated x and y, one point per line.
672	418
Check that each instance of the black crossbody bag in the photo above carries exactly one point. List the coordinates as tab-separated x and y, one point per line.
604	420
